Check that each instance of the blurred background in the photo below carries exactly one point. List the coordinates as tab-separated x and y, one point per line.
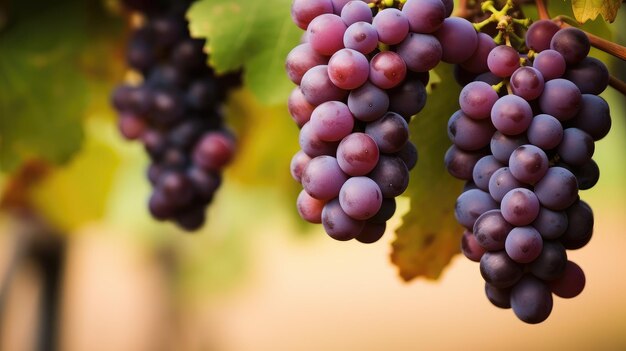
83	266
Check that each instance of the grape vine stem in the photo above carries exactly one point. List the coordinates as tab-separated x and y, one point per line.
617	84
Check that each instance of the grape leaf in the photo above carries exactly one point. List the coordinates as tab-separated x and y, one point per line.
429	236
585	10
255	35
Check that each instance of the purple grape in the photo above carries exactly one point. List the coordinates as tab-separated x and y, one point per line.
301	59
297	165
325	33
511	115
356	11
387	69
357	154
424	16
523	244
362	37
371	232
312	145
348	69
322	178
408	98
368	102
338	6
304	11
527	82
478	62
420	52
545	132
470	205
550	63
483	170
317	87
458	39
503	61
528	164
391	25
477	99
499	270
580	226
391	175
491	230
299	108
594	117
501	182
572	43
551	263
177	188
309	208
360	198
337	224
561	99
587	175
571	284
558	189
498	297
191	220
469	134
214	151
460	163
408	155
131	126
531	300
470	247
387	209
205	183
590	76
160	207
331	121
539	35
550	224
390	132
576	148
520	206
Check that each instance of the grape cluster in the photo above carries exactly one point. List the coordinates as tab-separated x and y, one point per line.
175	113
525	155
361	71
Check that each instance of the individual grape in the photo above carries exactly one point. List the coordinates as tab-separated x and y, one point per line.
523	244
539	35
491	230
550	224
387	209
576	148
590	76
511	115
391	25
527	82
140	52
205	183
420	52
214	151
301	59
368	102
477	99
297	165
501	182
503	61
356	11
550	63
177	188
478	62
357	154
572	43
594	117
168	107
188	55
469	134
371	232
558	189
531	300
191	220
390	132
488	78
317	87
299	108
561	99
470	205
360	197
587	175
462	76
387	69
580	226
322	178
497	296
424	16
160	207
449	5
325	33
545	132
331	121
168	29
348	69
312	145
520	206
502	146
391	175
460	163
338	6
470	247
174	159
408	155
528	164
551	263
458	39
499	270
337	224
165	76
483	170
185	135
131	126
309	208
304	11
362	37
154	142
571	284
408	98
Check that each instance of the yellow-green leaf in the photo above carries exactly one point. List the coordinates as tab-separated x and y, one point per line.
585	10
429	236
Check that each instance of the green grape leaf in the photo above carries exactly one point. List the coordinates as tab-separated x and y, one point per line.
255	35
42	94
429	235
585	10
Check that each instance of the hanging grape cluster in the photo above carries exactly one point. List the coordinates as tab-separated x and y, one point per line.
175	112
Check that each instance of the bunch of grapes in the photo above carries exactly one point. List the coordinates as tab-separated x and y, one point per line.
175	112
361	71
525	155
